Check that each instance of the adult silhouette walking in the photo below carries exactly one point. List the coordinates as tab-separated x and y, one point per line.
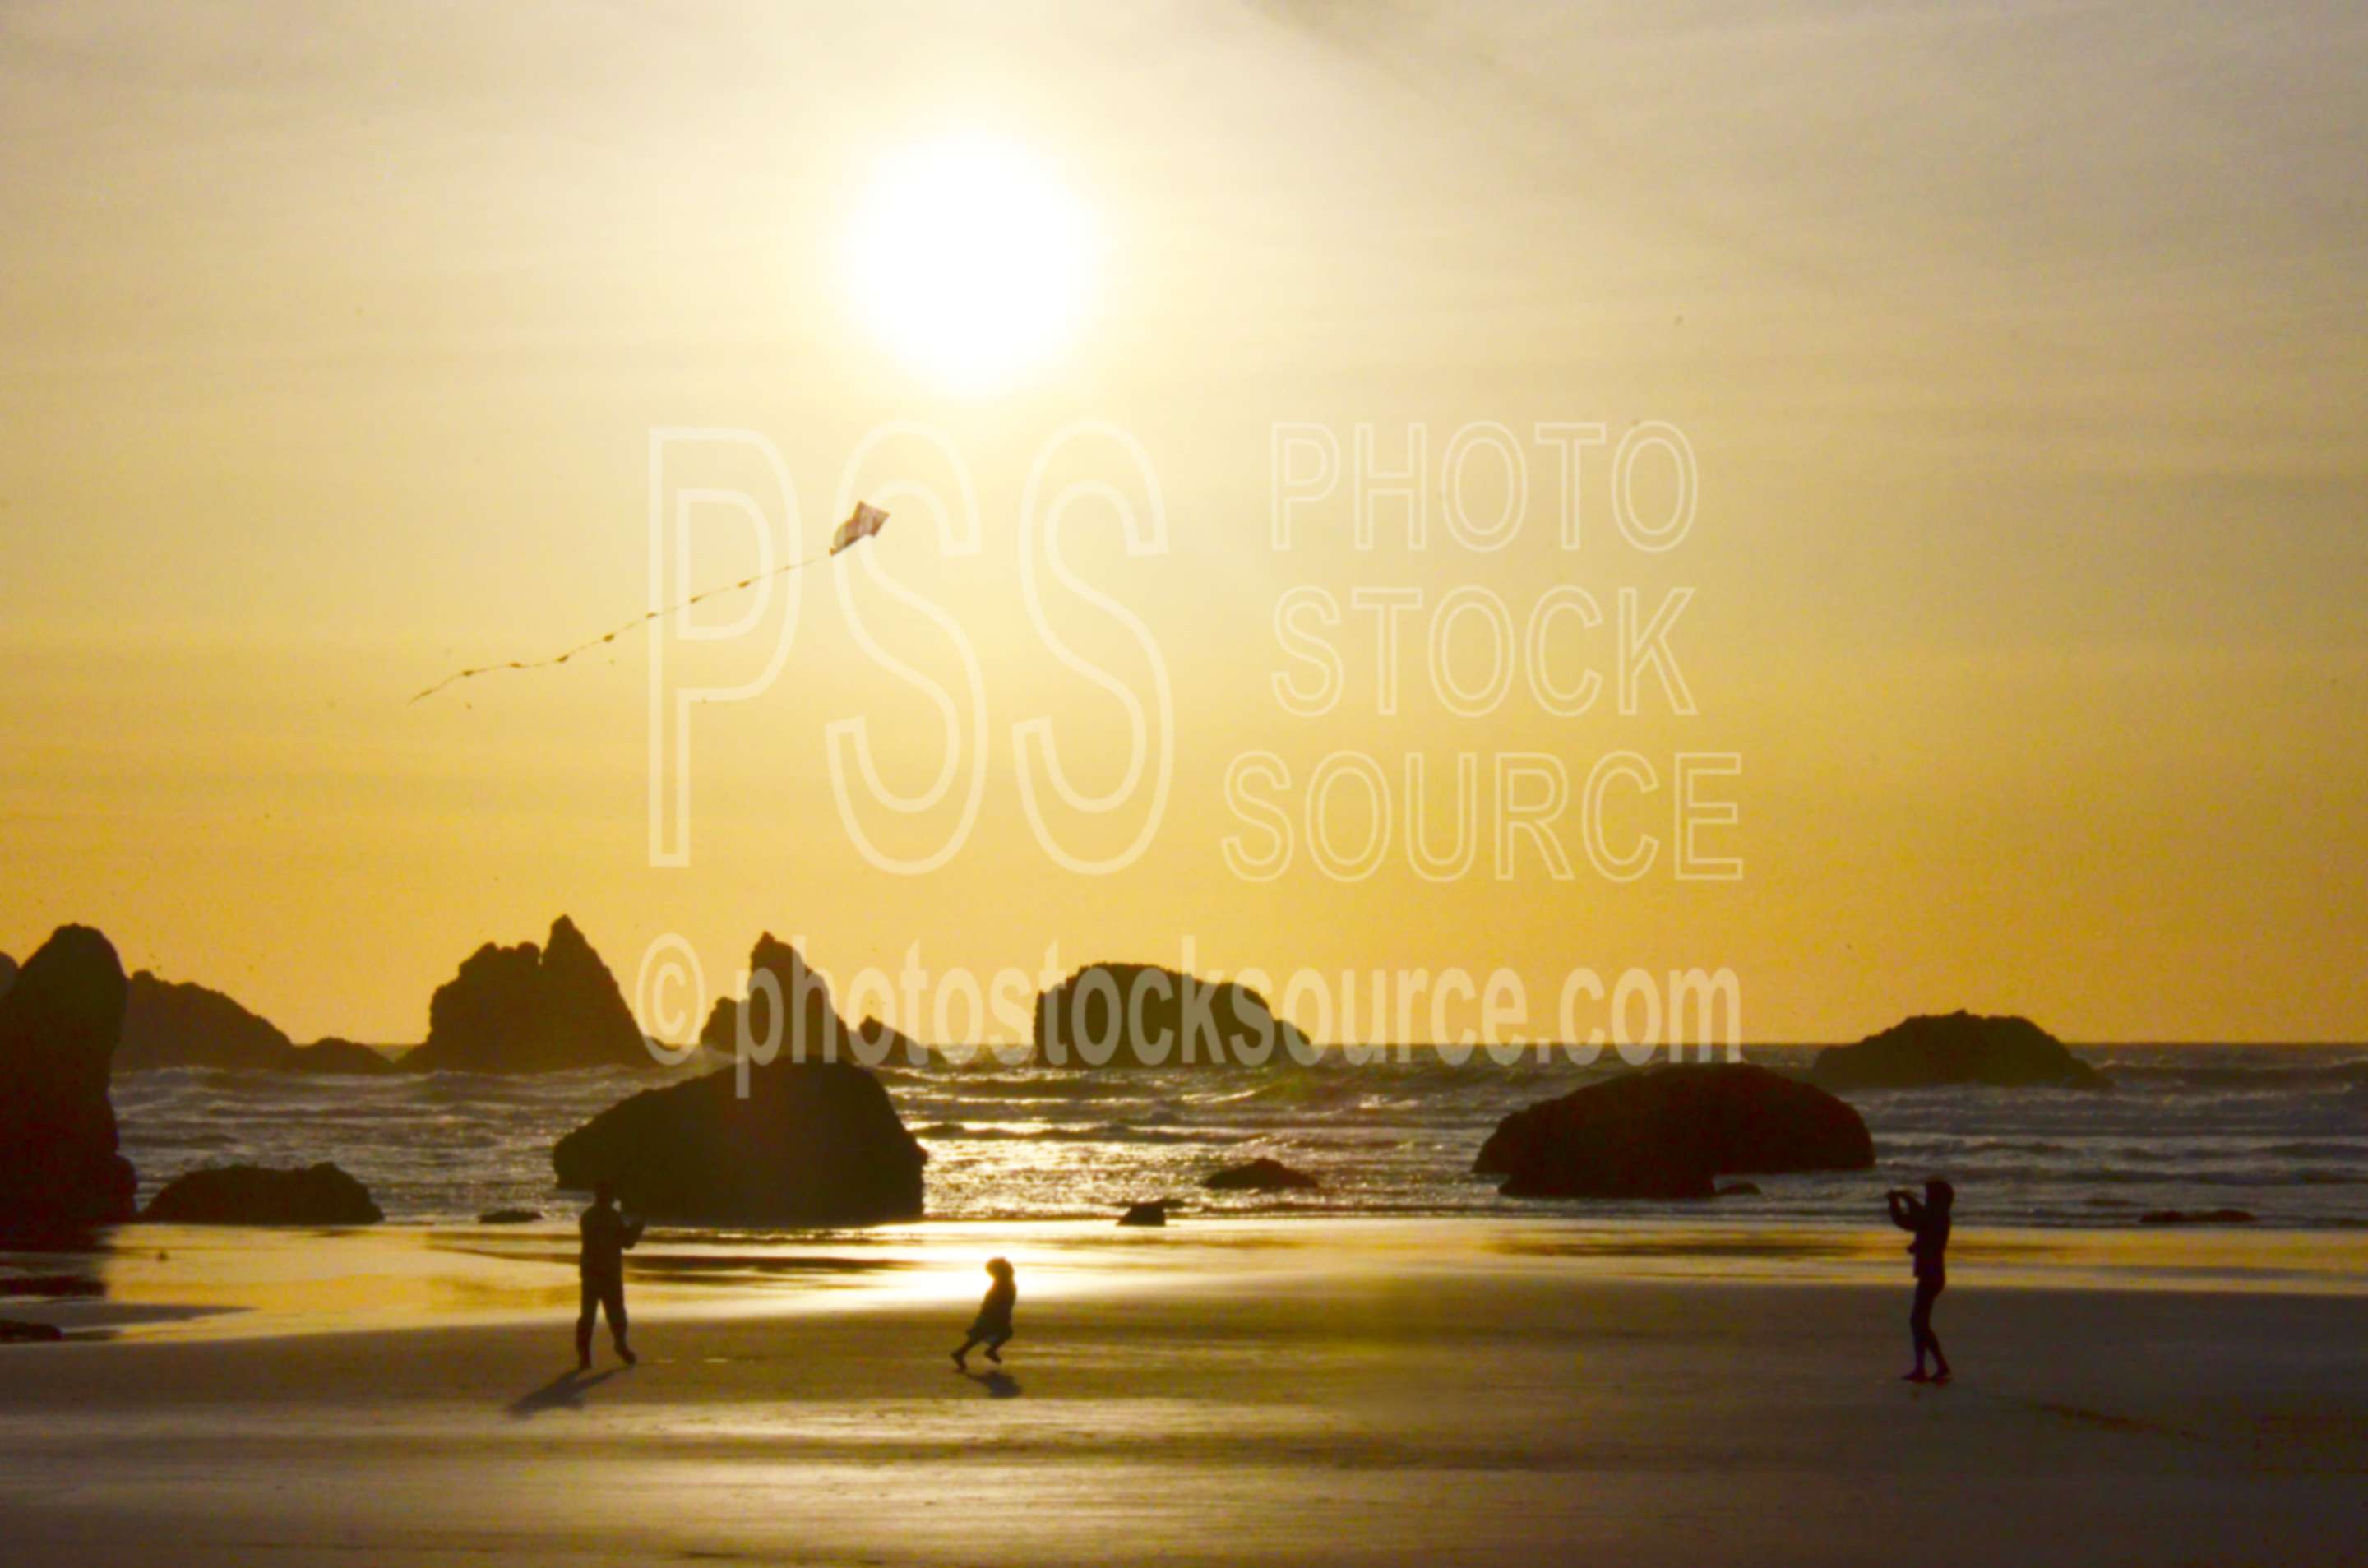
607	1235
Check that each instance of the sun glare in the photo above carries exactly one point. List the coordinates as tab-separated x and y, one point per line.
970	261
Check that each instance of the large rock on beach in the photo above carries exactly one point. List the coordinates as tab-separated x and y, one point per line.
59	1173
1670	1132
811	1143
1959	1048
260	1194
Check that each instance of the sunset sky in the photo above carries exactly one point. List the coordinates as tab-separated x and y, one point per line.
2020	349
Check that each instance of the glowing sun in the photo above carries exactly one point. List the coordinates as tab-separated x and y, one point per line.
970	261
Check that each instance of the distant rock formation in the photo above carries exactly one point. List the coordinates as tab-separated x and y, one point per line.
59	1169
777	971
1670	1132
1961	1048
1261	1175
17	1331
814	1143
881	1044
1151	1215
530	1009
1131	1015
178	1023
259	1195
509	1216
339	1056
1737	1189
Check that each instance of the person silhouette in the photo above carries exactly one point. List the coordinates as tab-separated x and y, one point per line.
992	1327
1928	1223
607	1235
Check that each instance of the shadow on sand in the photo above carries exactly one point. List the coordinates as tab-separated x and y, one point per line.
564	1392
998	1385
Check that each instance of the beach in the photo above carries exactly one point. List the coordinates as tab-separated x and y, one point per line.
1363	1391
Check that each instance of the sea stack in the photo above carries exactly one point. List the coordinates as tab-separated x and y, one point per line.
59	1173
1133	1015
530	1009
810	1142
169	1023
1960	1047
777	969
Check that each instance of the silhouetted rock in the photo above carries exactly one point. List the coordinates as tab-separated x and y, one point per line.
1737	1189
1960	1047
7	973
530	1009
778	971
1670	1132
339	1057
2195	1217
59	1169
509	1217
1151	1214
816	1140
178	1023
1261	1175
259	1195
814	1143
880	1045
17	1331
1131	1014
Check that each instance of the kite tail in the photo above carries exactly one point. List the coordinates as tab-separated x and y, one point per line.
636	624
865	523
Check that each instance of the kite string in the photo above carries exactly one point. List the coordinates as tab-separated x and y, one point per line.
641	620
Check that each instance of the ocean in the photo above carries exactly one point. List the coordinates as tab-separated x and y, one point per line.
2281	1132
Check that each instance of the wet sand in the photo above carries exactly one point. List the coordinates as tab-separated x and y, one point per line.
1373	1391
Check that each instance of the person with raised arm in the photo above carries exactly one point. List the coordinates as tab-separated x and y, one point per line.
607	1235
1928	1222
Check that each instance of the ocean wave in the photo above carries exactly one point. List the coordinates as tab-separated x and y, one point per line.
2123	1175
1962	1146
2264	1078
1389	1137
1103	1132
2350	1149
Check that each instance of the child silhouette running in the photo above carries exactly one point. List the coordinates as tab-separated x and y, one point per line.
992	1327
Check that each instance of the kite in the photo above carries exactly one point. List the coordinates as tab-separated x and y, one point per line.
860	524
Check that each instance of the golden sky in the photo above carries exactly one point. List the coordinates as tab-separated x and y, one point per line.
2020	351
